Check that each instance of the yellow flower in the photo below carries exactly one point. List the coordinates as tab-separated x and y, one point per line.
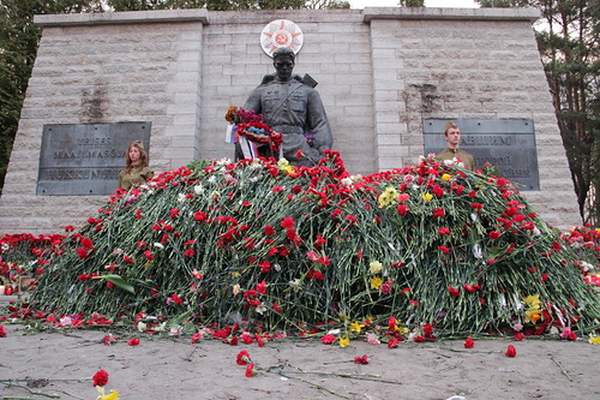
285	166
594	339
375	267
402	329
356	327
376	282
113	395
446	177
427	197
532	316
533	301
344	341
387	197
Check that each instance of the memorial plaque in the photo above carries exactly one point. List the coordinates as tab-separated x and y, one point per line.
508	144
85	159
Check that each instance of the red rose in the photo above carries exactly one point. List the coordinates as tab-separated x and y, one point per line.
469	342
363	360
328	339
100	378
249	370
243	358
511	351
133	342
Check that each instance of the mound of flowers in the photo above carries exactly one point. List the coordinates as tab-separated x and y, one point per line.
263	246
23	258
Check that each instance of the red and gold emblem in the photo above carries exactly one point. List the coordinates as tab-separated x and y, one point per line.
281	33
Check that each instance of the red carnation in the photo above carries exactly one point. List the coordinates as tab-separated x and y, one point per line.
402	209
133	342
454	292
438	213
243	358
249	370
443	249
100	378
268	230
2	331
328	339
494	235
519	336
174	213
189	252
444	230
200	216
469	342
510	351
393	343
419	338
288	223
363	360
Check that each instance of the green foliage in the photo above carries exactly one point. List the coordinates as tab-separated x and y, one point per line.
569	43
411	3
18	45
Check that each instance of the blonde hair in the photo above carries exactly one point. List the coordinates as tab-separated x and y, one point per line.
143	156
450	125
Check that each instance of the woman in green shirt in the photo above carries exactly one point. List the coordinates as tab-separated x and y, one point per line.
136	172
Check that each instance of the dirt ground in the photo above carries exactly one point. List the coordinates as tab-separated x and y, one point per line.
59	365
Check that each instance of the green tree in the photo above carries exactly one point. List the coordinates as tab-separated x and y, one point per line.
411	3
569	42
18	45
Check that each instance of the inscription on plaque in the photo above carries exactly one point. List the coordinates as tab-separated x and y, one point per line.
85	159
508	144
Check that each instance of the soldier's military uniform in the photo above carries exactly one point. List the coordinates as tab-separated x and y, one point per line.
293	108
461	155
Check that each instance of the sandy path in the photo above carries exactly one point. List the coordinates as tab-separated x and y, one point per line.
168	368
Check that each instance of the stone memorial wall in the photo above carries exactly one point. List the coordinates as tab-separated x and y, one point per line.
382	72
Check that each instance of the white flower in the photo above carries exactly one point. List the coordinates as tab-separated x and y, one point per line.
66	321
254	179
158	245
477	253
198	189
502	300
117	252
141	326
236	289
175	330
334	331
474	217
356	178
295	284
586	266
277	267
212	179
375	267
181	197
260	309
536	231
347	181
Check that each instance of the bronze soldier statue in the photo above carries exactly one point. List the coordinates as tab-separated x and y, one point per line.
293	108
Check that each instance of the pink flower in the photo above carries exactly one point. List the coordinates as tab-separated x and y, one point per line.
373	339
568	334
196	337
